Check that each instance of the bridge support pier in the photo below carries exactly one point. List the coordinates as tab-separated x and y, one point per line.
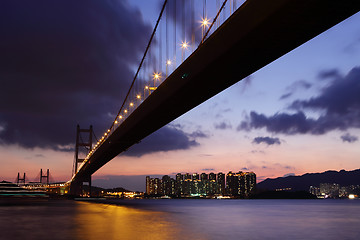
82	147
77	187
44	176
19	179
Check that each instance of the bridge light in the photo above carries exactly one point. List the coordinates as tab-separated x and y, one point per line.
168	62
120	117
205	22
116	122
146	87
125	111
105	134
138	96
108	130
156	76
131	104
184	45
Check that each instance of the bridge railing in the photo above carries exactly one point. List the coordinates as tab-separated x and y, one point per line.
182	27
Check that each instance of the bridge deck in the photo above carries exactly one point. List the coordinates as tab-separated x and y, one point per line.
259	32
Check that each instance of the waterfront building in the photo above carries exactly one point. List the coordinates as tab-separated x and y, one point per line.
329	190
220	183
195	187
240	184
250	183
213	187
187	185
166	185
151	186
173	187
195	176
147	184
231	184
157	186
179	184
187	176
203	176
179	177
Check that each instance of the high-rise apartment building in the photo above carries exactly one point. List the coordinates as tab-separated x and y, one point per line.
148	185
221	183
166	185
203	176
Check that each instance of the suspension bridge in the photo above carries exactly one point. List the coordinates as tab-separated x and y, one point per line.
190	59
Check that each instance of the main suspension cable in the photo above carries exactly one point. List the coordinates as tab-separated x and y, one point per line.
142	60
213	22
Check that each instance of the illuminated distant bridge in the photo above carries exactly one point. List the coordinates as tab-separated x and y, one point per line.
189	60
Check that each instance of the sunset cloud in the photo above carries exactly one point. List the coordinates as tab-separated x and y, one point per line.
267	140
339	102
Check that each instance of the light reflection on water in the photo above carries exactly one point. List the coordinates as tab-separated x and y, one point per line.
183	219
103	221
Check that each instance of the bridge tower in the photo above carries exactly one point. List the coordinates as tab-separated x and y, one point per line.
44	176
82	147
20	180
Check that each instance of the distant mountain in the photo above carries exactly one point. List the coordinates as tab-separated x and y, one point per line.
118	189
99	189
303	182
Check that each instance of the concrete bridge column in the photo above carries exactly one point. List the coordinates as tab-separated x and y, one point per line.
77	187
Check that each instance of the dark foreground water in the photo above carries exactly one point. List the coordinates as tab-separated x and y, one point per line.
183	219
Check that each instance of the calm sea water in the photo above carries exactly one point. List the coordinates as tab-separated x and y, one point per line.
183	219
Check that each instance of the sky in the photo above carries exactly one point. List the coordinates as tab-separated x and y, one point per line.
64	63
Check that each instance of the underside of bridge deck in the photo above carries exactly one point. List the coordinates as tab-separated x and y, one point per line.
259	32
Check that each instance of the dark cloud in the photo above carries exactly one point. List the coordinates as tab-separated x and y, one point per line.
278	166
326	74
222	111
266	140
205	155
208	169
301	84
198	134
245	83
348	138
165	139
285	166
353	47
286	95
279	123
341	97
65	62
223	125
245	169
257	151
339	103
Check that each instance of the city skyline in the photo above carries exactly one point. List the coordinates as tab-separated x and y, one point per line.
238	184
298	114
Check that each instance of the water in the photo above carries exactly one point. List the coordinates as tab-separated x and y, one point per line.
183	219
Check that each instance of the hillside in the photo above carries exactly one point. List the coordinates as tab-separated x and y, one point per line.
303	182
